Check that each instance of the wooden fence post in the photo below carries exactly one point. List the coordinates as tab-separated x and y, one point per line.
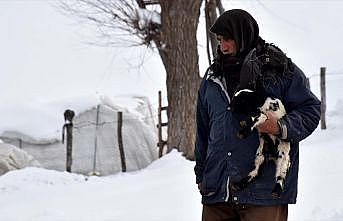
68	126
120	142
161	143
323	98
69	147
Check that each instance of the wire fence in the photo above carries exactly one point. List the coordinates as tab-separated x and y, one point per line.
82	124
95	143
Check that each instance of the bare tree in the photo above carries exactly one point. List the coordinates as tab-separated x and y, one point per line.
220	6
116	20
171	29
179	21
211	7
210	17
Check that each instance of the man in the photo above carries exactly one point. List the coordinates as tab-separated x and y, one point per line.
222	158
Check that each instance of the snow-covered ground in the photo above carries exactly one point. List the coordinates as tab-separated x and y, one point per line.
39	46
166	189
163	191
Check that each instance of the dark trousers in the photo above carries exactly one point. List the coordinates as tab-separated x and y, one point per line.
244	212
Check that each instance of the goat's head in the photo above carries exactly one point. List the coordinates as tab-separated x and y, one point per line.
246	103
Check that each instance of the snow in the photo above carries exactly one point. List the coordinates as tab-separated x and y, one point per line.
45	68
42	45
166	189
12	158
158	192
320	176
145	15
48	114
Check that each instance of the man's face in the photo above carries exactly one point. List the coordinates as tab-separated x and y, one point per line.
227	46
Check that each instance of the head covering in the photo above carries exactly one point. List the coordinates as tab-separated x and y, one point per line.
240	26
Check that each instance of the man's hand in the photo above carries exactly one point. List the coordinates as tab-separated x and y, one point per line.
270	126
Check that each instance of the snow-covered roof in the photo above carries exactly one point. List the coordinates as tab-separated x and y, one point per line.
42	121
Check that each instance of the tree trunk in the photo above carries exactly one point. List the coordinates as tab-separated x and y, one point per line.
220	7
211	16
180	57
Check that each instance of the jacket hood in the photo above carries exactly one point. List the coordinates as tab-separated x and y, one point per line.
240	26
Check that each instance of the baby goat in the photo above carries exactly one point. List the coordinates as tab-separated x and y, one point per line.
254	106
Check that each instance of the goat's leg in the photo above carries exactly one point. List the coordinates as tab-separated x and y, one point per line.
259	159
282	165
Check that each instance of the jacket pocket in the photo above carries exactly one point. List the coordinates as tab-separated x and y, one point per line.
208	187
213	173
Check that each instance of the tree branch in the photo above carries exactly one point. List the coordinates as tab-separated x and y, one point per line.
112	17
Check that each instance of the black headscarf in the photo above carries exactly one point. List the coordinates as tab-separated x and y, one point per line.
240	26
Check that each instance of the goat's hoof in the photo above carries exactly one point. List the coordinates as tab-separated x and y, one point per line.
276	193
238	186
241	184
245	181
235	187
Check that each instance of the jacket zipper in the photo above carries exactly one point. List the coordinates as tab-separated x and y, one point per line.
217	81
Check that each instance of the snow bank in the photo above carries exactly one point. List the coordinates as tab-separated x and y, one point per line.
12	158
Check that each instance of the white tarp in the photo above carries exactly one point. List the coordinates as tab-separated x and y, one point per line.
95	144
13	158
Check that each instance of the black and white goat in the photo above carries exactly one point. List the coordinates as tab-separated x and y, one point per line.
253	106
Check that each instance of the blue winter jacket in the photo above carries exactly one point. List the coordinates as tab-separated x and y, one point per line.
221	157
